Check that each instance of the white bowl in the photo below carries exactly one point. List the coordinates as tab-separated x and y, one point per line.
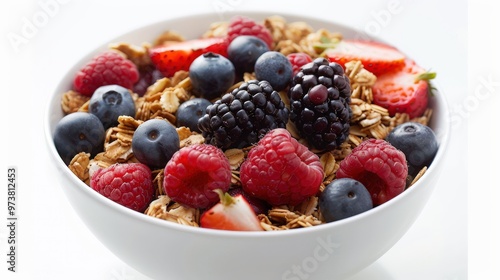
165	250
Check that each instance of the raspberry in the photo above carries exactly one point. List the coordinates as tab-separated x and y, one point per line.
128	184
243	116
320	94
107	68
298	60
379	166
280	170
241	25
194	172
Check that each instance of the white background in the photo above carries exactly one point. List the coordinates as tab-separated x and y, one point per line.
447	36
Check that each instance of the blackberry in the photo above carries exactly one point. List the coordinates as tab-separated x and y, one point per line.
319	95
243	116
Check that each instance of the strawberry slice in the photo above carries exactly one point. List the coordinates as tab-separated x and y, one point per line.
377	58
404	91
231	213
175	56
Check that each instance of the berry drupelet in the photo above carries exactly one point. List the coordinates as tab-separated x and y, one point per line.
319	95
243	116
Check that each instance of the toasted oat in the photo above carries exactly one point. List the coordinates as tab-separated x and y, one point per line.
329	164
308	207
418	176
158	175
79	165
289	219
168	36
216	29
235	157
72	101
163	209
312	44
361	80
139	55
169	100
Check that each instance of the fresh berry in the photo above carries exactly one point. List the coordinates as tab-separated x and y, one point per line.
379	166
107	68
344	198
377	58
244	51
154	142
417	141
275	68
128	184
240	118
298	60
176	56
211	75
280	170
147	76
231	213
189	112
259	206
194	172
320	94
110	102
403	91
242	25
78	132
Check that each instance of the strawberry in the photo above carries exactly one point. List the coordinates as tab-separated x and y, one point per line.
231	213
404	91
174	56
377	58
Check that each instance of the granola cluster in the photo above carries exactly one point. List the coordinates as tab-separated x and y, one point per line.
162	99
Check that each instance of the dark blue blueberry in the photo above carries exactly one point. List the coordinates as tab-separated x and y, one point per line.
244	51
275	68
191	111
78	132
343	198
109	102
211	75
417	141
154	142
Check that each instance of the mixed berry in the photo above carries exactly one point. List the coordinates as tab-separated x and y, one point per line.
245	128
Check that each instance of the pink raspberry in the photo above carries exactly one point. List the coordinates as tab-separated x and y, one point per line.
280	170
107	68
128	184
241	25
379	166
194	172
298	60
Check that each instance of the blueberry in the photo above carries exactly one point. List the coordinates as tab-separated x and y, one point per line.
78	132
190	112
211	75
343	198
244	51
417	141
275	68
154	142
109	102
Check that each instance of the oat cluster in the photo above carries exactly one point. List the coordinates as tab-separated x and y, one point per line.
163	98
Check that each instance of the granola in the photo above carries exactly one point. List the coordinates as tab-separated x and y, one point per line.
163	98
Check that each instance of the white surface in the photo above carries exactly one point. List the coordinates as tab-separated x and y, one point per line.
55	244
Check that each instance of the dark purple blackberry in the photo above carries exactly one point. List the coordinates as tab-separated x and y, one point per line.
243	116
319	95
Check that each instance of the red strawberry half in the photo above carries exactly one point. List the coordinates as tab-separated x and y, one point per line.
231	213
176	56
376	57
403	91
